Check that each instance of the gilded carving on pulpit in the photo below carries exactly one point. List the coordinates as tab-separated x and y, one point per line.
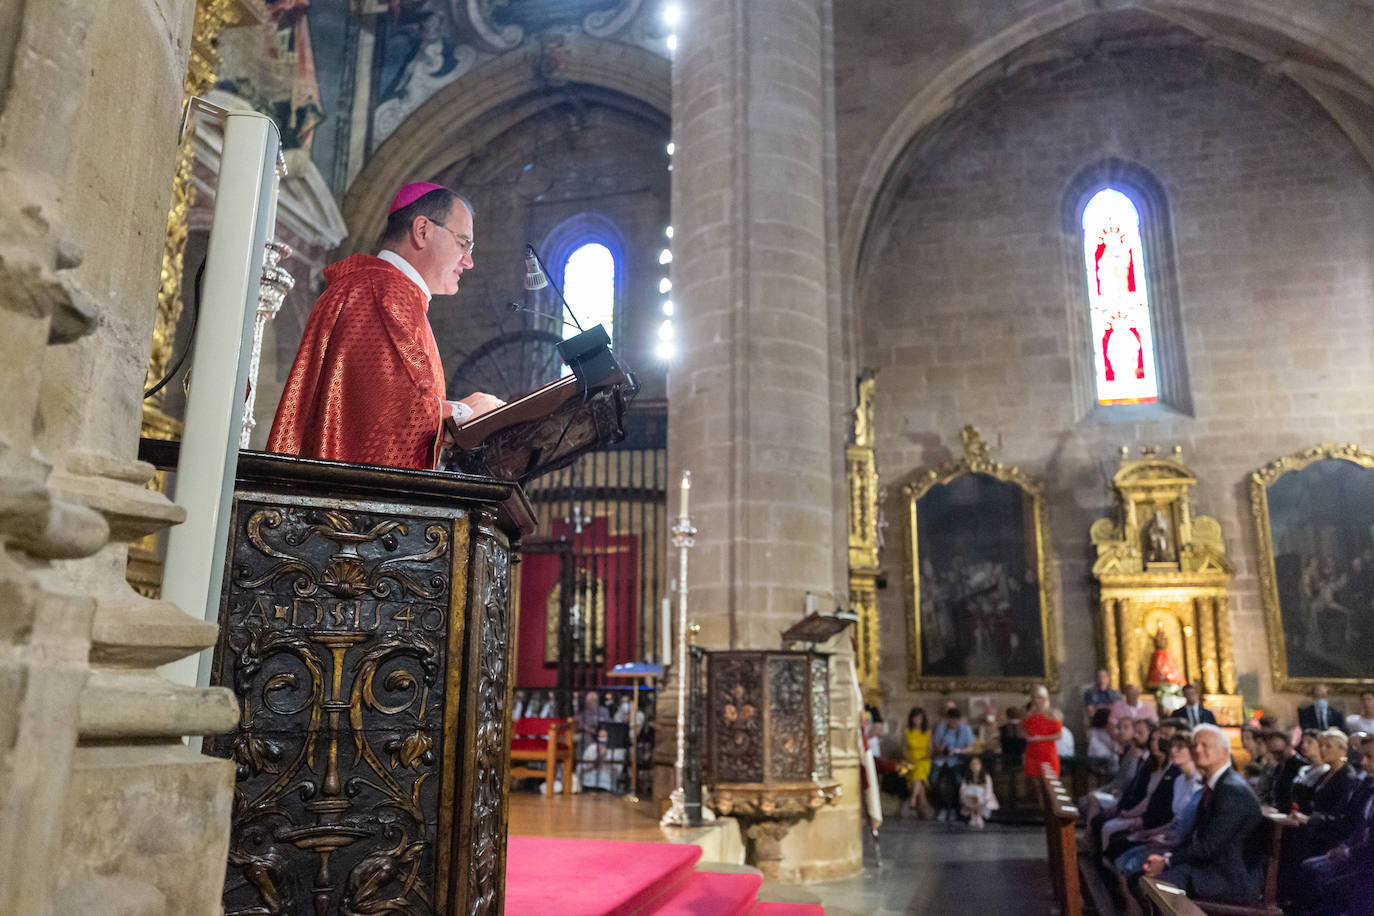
1314	518
979	602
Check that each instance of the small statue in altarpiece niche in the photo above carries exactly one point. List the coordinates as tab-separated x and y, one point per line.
1156	538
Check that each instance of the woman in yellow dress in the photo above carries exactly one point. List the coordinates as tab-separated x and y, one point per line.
916	760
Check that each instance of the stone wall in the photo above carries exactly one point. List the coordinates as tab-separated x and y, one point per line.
104	805
970	290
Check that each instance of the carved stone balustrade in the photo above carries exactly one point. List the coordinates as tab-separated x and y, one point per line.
365	630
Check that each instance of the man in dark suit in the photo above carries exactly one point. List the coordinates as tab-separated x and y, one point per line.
1220	858
1192	710
1320	714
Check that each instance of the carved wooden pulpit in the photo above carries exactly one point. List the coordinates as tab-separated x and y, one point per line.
1163	575
768	732
365	624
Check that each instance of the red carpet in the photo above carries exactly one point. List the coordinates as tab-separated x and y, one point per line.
553	877
548	877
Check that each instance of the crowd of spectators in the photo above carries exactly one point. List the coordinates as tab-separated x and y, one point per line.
1179	809
1174	804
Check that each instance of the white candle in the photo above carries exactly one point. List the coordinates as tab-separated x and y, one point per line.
666	630
686	493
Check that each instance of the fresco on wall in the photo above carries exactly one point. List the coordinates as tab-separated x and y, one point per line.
427	44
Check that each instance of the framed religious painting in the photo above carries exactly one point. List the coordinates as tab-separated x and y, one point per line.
1314	517
980	607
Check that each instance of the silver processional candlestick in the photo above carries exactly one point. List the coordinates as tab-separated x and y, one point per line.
684	536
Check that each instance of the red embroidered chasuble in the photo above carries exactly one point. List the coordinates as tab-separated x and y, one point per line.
367	386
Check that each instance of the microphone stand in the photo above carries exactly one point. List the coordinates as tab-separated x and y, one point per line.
548	278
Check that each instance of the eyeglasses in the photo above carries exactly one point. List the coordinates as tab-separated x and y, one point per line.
463	241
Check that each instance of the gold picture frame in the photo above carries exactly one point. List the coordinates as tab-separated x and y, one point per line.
1004	610
1275	584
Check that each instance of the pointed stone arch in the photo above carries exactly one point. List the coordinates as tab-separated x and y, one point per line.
1336	73
505	92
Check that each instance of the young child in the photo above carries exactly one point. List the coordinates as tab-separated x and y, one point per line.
976	798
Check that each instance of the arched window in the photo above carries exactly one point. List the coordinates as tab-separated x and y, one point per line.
1119	301
589	287
1130	361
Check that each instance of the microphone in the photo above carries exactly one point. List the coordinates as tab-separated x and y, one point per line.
536	277
514	306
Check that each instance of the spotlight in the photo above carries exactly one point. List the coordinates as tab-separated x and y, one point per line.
672	42
665	331
668	307
672	147
664	285
668	231
672	15
665	256
664	350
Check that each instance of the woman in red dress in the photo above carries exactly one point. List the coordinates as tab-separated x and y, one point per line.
1042	730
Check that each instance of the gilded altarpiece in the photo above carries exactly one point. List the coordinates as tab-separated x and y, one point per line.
1163	577
861	474
367	643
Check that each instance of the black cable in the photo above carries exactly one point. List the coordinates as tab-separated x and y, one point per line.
190	337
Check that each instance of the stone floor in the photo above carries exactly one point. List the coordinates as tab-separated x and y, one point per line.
933	868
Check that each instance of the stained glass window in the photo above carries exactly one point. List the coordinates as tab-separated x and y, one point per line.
1119	303
589	287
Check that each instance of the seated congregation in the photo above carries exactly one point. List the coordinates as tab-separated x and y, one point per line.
1282	824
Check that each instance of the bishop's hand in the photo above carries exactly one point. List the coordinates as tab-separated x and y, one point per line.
480	402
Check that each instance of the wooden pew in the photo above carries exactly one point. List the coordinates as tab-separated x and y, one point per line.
1168	899
1060	842
1268	904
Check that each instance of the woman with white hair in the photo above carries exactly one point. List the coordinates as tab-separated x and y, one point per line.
1042	732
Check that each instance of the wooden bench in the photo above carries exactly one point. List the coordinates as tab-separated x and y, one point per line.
1168	899
548	740
1266	906
1060	842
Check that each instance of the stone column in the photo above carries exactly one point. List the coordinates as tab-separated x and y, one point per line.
750	392
106	809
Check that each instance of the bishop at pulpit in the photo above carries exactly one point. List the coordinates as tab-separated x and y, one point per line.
1163	576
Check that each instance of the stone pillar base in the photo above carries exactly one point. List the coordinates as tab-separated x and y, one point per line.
823	846
156	816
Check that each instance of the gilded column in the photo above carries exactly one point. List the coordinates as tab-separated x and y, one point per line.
1207	638
864	599
1113	663
1191	638
1225	651
1130	669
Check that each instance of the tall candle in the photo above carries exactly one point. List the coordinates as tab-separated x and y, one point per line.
686	492
666	630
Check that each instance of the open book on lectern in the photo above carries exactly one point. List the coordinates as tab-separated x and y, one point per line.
551	426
